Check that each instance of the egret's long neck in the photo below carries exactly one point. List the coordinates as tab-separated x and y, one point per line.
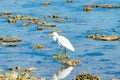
56	34
55	37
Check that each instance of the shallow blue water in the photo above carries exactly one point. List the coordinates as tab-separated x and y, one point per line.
97	57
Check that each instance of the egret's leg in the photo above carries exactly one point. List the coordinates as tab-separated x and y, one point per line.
60	52
65	50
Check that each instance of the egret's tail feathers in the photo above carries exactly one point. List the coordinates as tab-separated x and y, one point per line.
72	49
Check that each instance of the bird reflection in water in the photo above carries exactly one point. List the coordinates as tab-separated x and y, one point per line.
62	73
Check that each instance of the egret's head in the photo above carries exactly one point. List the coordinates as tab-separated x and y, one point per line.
53	33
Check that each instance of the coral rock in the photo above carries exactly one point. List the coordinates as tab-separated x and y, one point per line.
46	3
110	38
59	57
11	40
86	76
38	46
87	9
72	62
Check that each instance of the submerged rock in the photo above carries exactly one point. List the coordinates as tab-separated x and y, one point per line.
114	79
54	16
26	24
58	20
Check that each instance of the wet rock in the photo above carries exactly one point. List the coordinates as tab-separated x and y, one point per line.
87	9
46	3
86	76
35	19
38	46
103	37
54	16
7	13
48	24
110	38
59	57
36	22
21	17
13	75
109	6
39	28
94	36
30	69
12	20
21	75
95	6
72	63
11	40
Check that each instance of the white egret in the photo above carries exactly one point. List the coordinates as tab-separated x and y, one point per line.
62	41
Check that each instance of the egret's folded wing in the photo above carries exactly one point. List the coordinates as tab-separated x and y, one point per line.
65	43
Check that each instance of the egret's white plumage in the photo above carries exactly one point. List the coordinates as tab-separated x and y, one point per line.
62	41
65	43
